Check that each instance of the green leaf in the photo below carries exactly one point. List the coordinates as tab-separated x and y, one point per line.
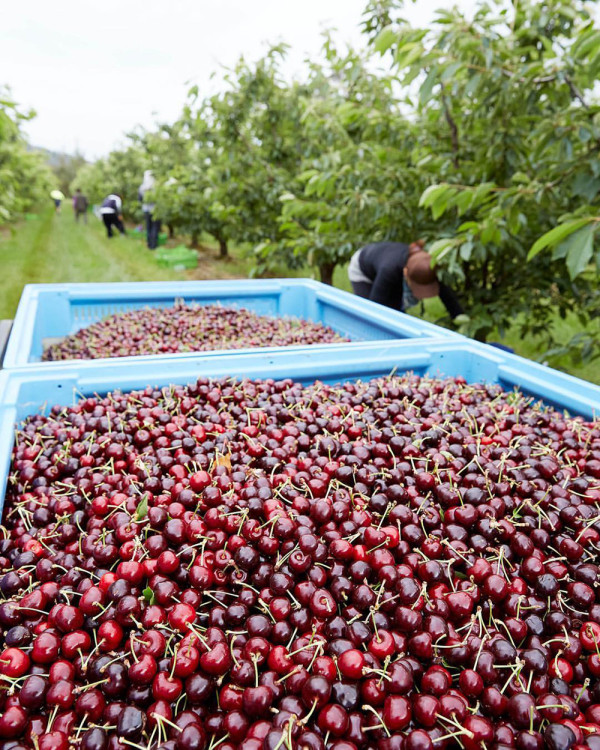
451	70
465	250
440	205
463	201
587	42
581	249
593	64
487	233
584	134
468	226
482	191
431	194
148	595
440	248
560	251
142	510
473	83
385	39
556	235
408	54
586	186
427	88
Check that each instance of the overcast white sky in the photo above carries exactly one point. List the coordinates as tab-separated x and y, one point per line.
93	71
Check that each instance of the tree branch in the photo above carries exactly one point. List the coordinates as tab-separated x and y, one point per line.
453	129
575	93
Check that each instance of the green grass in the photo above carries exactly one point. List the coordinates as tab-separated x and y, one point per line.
51	248
54	249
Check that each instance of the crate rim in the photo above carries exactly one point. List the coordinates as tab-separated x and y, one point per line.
364	360
25	318
548	381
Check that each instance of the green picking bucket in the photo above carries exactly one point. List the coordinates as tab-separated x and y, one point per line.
177	257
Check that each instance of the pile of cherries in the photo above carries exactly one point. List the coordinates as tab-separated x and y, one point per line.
405	564
187	328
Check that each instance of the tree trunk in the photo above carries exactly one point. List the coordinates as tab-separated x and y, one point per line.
223	252
326	272
468	282
171	231
194	244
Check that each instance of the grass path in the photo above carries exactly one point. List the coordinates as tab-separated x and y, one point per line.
53	248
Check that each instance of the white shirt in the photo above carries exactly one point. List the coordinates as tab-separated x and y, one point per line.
108	209
355	273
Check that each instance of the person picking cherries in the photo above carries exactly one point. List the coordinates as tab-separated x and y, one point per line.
399	276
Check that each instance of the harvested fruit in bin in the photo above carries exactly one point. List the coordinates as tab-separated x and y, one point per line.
186	328
406	564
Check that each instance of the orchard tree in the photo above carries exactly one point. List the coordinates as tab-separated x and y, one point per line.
355	183
243	155
122	172
24	177
184	193
157	151
92	179
65	168
508	131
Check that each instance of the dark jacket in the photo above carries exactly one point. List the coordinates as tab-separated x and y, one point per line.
383	263
80	202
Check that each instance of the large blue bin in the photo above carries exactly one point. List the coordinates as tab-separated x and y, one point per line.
49	311
24	391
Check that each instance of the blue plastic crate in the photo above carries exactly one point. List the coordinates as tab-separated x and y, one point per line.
49	311
24	391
